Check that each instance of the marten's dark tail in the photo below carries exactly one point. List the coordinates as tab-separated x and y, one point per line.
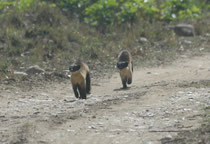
88	83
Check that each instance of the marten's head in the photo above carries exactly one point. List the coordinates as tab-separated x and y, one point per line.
74	68
122	64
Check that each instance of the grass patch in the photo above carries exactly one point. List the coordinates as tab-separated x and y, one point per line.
199	84
47	36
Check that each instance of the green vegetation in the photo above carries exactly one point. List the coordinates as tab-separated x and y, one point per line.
197	84
114	12
52	33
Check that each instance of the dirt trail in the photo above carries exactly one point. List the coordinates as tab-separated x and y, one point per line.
161	102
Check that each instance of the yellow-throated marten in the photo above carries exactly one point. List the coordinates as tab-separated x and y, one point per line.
80	79
125	65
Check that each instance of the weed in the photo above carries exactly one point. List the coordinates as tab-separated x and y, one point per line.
199	84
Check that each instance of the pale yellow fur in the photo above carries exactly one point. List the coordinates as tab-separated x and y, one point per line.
126	72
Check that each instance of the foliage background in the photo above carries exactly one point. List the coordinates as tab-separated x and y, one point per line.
53	33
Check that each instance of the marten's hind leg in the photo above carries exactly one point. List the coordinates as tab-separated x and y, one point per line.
130	80
82	91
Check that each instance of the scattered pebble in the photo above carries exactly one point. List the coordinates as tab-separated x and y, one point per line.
44	94
92	127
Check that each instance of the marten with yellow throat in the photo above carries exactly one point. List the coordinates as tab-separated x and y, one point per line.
125	65
80	79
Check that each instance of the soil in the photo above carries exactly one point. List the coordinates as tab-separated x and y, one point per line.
161	103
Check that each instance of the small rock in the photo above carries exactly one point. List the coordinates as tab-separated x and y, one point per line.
69	130
148	142
36	113
91	127
44	94
34	70
183	29
130	130
20	73
62	74
156	73
143	39
101	124
207	34
201	49
187	42
185	109
125	96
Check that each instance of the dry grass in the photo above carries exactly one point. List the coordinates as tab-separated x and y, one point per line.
47	37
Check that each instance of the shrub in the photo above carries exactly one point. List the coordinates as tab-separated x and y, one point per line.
106	13
5	4
180	9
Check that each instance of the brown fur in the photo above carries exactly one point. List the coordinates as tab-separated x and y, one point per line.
126	73
80	80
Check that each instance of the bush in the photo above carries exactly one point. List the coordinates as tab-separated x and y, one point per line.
103	13
106	13
44	31
180	9
5	4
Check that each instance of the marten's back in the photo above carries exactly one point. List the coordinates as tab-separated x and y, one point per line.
124	56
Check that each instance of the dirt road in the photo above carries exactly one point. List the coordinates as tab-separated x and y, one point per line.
161	102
